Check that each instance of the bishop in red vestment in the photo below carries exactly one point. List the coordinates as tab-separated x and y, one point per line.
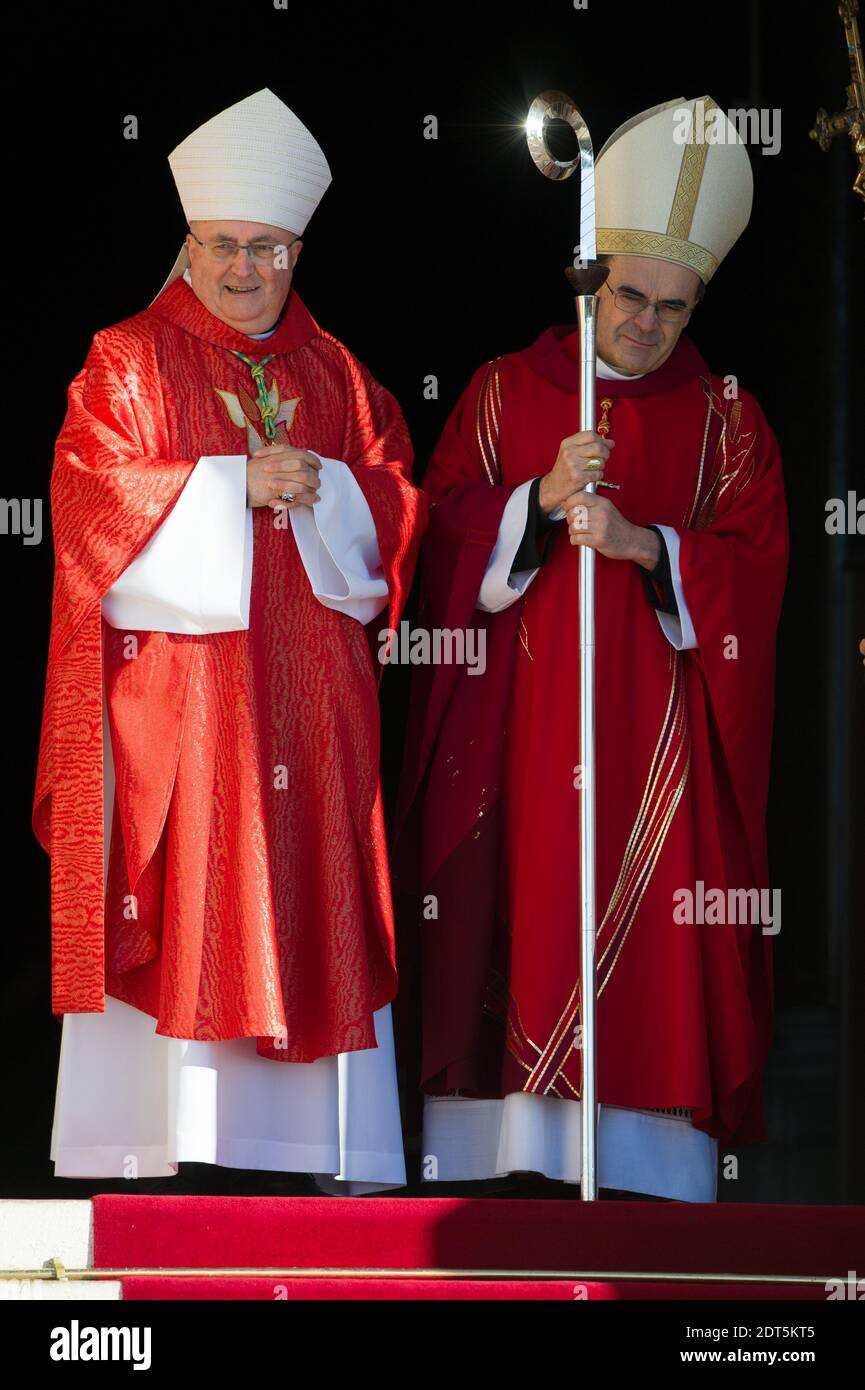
691	541
209	645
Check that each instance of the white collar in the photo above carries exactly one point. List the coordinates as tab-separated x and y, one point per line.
603	369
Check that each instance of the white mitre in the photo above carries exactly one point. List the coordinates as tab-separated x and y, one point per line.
674	182
254	162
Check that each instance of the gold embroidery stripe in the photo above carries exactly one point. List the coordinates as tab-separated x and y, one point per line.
649	823
740	459
689	180
521	1026
641	847
628	922
720	447
493	405
569	1029
488	424
651	781
747	478
512	1049
518	1040
740	463
571	1088
481	447
624	241
707	387
642	879
487	443
492	431
650	868
559	1035
565	1018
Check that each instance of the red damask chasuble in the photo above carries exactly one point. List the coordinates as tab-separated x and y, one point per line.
490	803
248	832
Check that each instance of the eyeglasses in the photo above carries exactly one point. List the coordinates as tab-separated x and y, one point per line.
632	304
262	252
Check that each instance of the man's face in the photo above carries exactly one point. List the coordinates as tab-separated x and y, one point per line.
641	342
246	294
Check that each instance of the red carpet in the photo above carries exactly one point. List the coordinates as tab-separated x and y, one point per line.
291	1233
555	1290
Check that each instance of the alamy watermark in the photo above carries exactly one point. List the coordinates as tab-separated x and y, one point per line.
436	646
755	125
845	516
21	516
732	907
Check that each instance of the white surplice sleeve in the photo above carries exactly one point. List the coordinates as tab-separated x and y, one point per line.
679	631
337	543
499	588
194	575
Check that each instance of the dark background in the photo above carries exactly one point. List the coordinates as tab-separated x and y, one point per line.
429	257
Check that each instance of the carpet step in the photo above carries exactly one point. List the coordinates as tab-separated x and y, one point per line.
593	1239
291	1248
454	1290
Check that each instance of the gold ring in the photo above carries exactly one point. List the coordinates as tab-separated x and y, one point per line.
593	464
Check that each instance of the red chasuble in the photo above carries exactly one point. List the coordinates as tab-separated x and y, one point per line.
261	897
490	805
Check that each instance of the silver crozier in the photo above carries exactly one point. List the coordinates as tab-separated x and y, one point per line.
586	278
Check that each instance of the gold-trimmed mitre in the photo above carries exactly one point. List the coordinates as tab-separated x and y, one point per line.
674	182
